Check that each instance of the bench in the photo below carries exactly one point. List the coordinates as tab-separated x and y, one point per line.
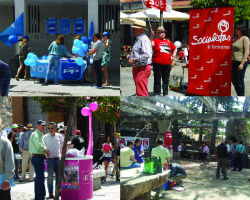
138	185
97	175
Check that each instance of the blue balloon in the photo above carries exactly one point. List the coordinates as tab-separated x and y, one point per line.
85	48
34	57
32	62
85	39
78	43
29	55
79	61
44	57
13	38
26	62
74	50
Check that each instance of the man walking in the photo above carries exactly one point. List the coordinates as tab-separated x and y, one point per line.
38	150
141	58
53	142
97	52
26	156
7	168
222	154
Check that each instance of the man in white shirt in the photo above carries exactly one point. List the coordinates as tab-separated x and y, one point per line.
54	142
230	149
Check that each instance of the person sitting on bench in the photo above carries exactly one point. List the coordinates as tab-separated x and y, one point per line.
128	160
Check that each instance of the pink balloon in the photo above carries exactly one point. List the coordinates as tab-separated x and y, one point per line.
93	106
85	111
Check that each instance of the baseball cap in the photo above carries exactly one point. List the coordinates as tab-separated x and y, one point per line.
41	122
14	126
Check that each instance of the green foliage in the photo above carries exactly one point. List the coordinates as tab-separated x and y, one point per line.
241	7
108	107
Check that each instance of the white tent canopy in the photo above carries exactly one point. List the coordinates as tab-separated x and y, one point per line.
124	19
154	13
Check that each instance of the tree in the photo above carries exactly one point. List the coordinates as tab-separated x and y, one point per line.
242	7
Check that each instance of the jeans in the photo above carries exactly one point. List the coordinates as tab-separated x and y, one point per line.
161	72
98	72
38	163
238	161
4	78
141	75
5	195
54	62
52	166
17	162
238	77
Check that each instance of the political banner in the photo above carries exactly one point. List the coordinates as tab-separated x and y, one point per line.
79	26
124	140
71	175
51	26
168	141
210	50
65	26
163	5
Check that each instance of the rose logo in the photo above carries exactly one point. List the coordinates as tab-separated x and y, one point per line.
223	26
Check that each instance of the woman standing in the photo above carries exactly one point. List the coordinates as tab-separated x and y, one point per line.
164	53
106	148
56	50
23	50
106	56
240	51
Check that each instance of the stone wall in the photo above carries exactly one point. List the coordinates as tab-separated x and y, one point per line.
6	111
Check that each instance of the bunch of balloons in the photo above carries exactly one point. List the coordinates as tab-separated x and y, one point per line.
88	112
80	48
80	61
13	39
31	60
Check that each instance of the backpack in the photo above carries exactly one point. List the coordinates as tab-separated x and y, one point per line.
222	151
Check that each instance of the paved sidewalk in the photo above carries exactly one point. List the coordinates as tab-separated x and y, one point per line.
25	191
128	86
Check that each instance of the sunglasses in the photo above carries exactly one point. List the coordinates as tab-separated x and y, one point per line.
50	128
161	31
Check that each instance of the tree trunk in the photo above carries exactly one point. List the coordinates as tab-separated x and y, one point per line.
213	136
202	121
70	125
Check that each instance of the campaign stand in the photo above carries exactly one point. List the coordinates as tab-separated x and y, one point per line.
67	70
77	181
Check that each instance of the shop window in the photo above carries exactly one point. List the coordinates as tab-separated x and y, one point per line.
33	19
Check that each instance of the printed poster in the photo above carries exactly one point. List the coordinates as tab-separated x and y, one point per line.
51	26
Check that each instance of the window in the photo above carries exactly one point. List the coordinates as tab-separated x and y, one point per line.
33	17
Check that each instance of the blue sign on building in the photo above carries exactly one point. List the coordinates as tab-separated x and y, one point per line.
65	27
79	26
51	26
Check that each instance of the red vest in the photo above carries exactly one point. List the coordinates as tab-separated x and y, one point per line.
162	51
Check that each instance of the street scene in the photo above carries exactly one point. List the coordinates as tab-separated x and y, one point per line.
185	148
60	148
184	48
49	47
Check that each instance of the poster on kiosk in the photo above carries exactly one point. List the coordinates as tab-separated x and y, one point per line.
210	50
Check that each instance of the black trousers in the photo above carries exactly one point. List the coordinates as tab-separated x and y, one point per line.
238	77
161	72
5	195
98	71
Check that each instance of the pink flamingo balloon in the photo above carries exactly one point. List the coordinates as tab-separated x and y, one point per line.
88	112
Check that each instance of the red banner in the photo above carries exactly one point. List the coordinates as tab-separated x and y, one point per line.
168	140
210	50
159	4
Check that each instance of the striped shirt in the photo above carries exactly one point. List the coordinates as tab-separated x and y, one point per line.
142	50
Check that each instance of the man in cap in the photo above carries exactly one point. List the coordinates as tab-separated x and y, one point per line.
38	150
164	53
14	136
26	156
7	167
141	58
54	143
4	78
77	140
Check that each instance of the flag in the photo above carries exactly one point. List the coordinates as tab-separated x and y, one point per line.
163	5
16	28
91	31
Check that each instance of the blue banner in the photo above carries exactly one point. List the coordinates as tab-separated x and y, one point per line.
65	26
51	26
16	28
79	26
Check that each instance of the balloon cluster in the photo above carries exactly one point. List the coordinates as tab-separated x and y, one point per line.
92	108
80	61
80	48
13	39
31	60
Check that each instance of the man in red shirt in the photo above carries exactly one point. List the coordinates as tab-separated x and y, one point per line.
164	52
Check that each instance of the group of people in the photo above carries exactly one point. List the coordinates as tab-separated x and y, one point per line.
133	157
161	51
100	53
35	147
230	155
